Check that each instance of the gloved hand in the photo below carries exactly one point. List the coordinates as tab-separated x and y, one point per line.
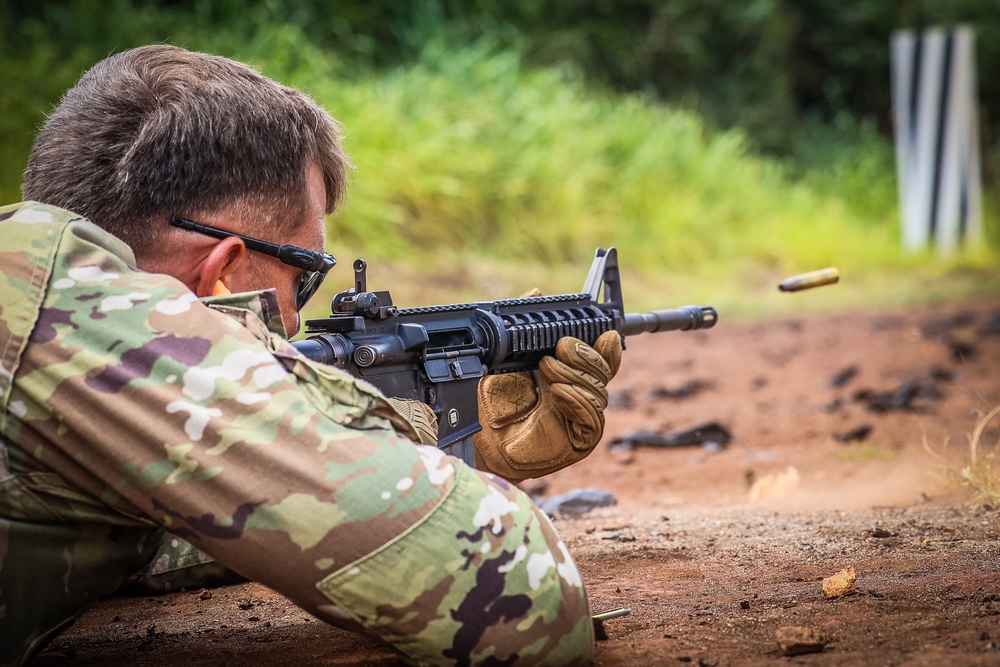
421	417
538	422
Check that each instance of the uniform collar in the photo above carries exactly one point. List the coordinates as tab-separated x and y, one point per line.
263	304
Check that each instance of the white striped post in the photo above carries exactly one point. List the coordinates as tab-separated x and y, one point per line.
937	137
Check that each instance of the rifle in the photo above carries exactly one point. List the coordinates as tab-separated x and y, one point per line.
438	354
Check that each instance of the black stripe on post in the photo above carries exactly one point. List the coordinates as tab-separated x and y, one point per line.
942	121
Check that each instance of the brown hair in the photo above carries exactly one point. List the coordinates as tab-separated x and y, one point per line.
158	132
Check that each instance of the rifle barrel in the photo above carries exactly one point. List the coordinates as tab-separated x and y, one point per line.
684	318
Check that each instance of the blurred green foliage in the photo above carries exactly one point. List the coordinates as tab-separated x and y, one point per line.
762	65
720	143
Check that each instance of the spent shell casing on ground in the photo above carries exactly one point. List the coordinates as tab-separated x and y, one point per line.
809	280
614	613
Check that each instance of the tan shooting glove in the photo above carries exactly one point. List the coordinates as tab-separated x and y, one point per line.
538	422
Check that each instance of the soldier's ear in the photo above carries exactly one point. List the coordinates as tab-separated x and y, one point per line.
219	265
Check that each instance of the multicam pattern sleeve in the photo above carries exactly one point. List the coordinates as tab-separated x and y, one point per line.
130	407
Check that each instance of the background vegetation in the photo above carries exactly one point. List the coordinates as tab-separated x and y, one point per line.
718	145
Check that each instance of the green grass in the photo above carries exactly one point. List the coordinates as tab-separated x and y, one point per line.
478	177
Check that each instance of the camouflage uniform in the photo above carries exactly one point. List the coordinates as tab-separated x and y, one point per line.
130	408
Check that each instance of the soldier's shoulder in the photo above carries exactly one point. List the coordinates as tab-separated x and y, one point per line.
26	222
33	213
30	233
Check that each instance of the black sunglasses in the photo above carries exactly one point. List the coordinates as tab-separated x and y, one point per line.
315	265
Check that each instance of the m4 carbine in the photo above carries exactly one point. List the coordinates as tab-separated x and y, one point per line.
438	354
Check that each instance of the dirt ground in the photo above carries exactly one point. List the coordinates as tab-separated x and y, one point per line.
847	433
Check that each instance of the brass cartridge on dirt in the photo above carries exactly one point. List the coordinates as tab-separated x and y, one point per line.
598	620
809	280
614	613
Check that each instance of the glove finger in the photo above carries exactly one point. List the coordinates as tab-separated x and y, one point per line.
551	371
582	411
578	355
507	397
609	346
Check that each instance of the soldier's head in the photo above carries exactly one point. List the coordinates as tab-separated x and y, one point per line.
160	133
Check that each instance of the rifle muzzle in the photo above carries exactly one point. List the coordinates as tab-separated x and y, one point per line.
684	318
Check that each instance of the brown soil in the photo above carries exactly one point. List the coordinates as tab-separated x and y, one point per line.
710	570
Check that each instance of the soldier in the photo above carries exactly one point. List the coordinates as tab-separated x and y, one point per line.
148	386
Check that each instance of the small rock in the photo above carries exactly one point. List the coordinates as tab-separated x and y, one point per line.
685	390
205	595
840	584
576	502
708	434
844	376
856	434
903	397
618	537
797	640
